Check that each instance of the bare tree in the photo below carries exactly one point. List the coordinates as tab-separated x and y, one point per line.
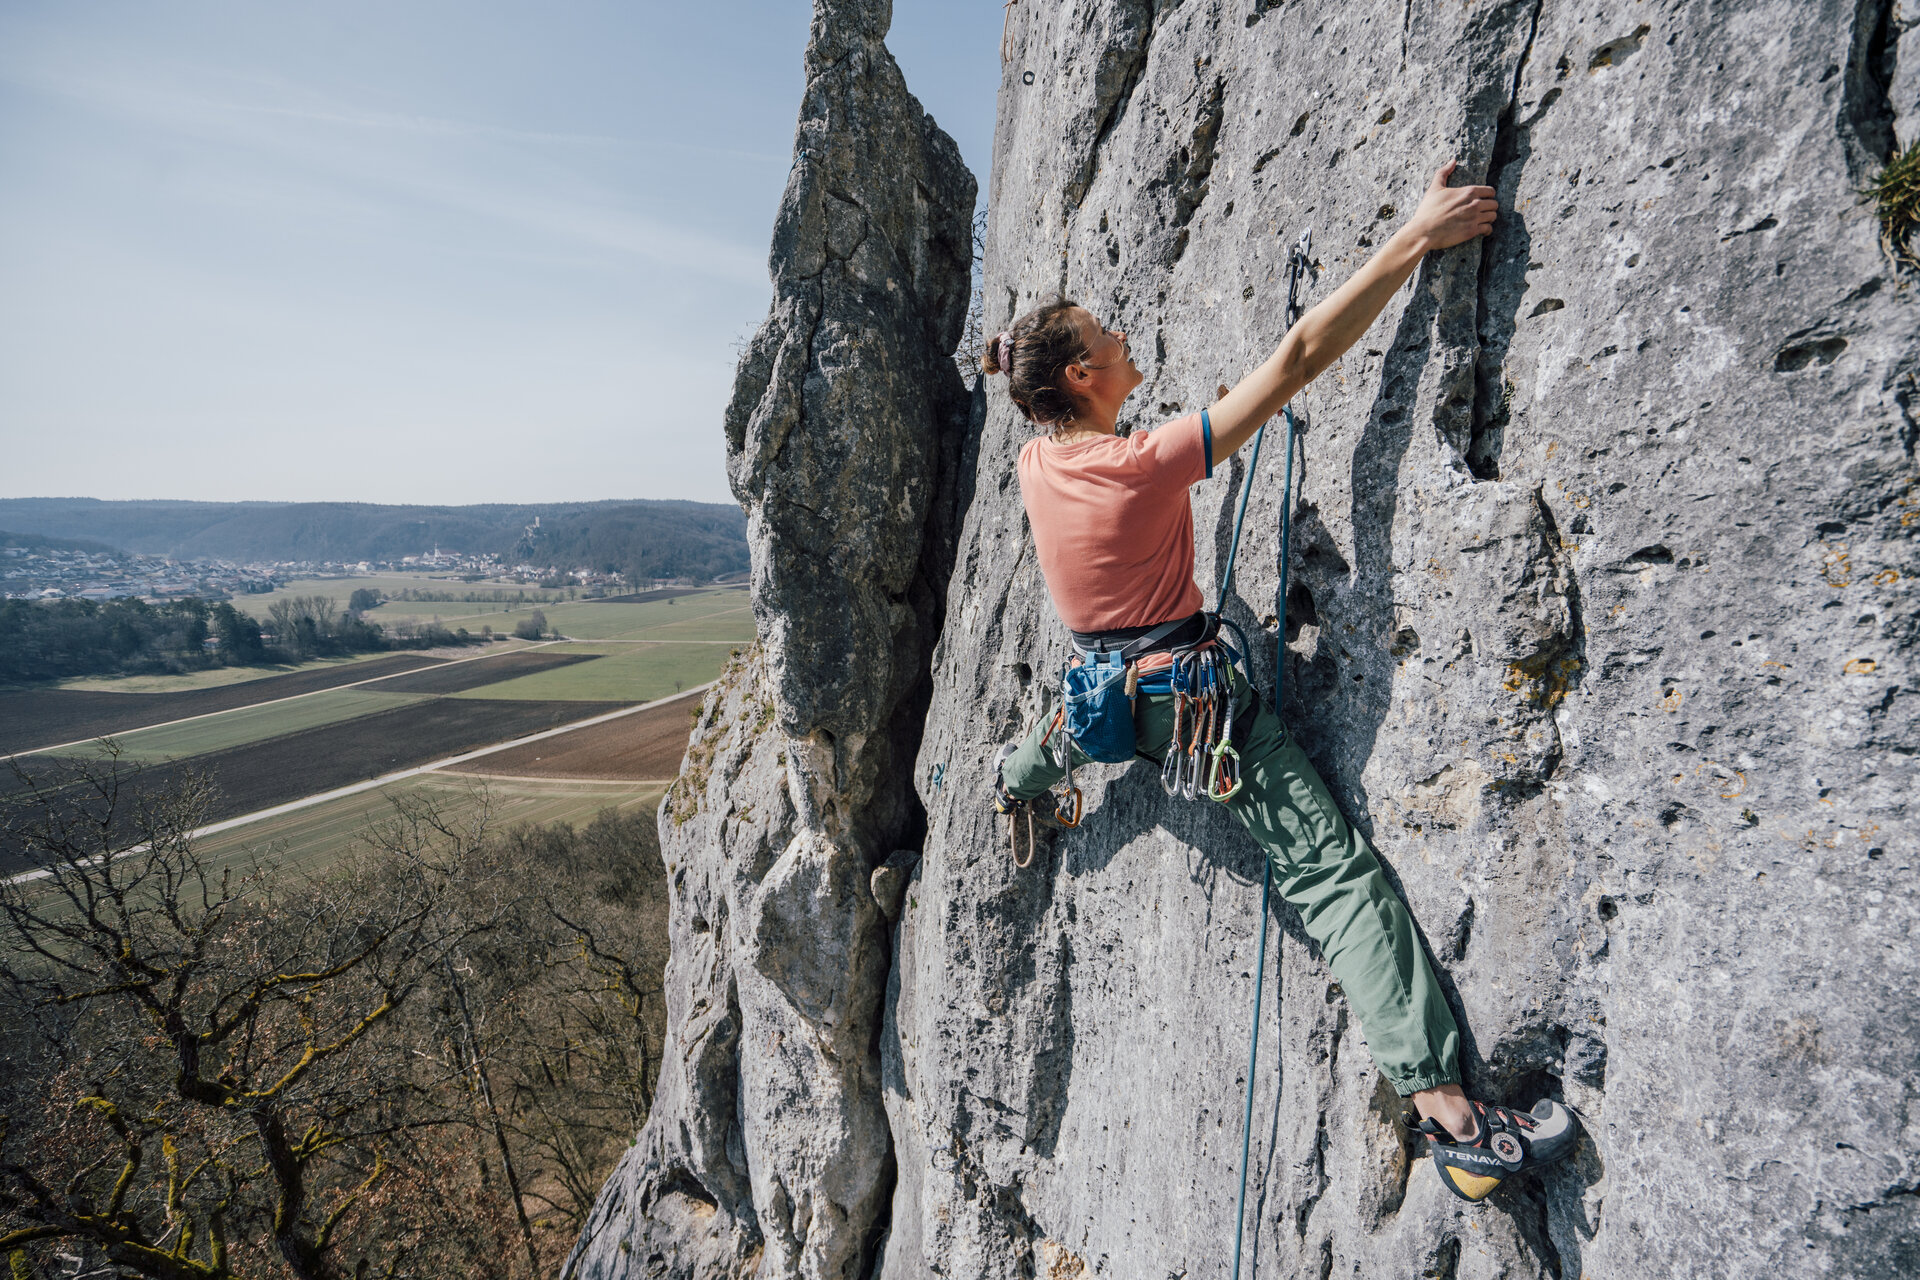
422	1062
214	1084
973	337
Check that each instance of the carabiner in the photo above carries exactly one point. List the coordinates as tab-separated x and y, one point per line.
1226	766
1070	803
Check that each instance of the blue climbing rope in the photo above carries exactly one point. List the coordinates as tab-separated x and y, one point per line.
1266	864
1296	266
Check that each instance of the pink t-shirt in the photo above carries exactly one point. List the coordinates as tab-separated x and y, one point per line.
1112	524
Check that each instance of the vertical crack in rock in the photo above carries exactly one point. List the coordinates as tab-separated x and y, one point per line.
1868	111
1502	280
767	1152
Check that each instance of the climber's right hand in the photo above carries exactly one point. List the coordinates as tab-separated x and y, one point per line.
1448	216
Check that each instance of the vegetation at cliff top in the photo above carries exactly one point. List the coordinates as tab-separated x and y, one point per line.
1896	196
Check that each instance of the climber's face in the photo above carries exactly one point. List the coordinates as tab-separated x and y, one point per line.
1106	375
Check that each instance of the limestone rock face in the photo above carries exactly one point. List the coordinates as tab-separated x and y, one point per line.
1601	627
767	1153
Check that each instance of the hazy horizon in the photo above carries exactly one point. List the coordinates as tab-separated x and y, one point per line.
431	256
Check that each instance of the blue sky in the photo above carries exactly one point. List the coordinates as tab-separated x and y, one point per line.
402	252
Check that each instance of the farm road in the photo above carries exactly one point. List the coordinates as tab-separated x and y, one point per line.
12	865
261	775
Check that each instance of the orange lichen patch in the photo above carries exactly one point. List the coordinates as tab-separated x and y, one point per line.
1056	1263
1732	779
1671	702
1860	667
1886	577
1543	681
1836	565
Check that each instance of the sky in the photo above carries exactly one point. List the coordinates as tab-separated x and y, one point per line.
427	251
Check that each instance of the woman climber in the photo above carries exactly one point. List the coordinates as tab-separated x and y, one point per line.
1113	530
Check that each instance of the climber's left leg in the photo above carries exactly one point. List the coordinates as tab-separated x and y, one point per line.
1327	870
1035	764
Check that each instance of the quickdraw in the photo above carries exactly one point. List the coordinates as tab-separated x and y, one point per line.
1201	758
1224	782
1071	805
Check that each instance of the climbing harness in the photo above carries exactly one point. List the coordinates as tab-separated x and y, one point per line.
1297	265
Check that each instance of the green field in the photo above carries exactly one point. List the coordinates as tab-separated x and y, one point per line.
315	836
719	616
340	590
236	728
625	673
213	678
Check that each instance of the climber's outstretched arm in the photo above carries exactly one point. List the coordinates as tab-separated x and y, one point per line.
1447	216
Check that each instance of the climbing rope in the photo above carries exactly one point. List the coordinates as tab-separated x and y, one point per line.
1296	267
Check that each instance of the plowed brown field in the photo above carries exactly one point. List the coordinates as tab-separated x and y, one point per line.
644	746
262	774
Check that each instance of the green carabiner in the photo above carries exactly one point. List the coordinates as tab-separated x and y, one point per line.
1222	770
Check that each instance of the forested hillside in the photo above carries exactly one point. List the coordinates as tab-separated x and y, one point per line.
640	538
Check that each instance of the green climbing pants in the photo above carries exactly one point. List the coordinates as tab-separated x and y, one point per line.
1324	868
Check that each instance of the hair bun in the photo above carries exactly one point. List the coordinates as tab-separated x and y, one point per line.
999	353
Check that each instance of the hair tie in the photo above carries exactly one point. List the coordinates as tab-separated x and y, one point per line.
1003	350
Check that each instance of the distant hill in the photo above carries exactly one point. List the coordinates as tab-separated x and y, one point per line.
643	539
40	542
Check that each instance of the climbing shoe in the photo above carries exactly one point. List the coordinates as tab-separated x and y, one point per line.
1044	808
1508	1141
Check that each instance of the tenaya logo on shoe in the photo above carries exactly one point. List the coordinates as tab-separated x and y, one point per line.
1507	1147
1467	1155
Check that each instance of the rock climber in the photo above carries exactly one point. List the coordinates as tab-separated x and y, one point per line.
1113	530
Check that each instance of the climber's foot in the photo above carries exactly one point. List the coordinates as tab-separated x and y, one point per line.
1044	807
1507	1142
1003	801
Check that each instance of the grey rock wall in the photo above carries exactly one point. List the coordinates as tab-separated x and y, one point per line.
767	1153
1602	628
